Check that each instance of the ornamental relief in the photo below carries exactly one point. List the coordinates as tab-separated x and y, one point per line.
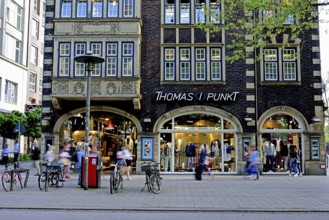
111	88
60	87
79	88
127	87
96	27
95	88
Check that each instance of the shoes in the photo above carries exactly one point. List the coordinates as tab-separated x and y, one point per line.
37	174
129	178
300	174
296	175
67	177
289	174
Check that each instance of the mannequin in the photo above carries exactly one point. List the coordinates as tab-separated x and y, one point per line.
190	154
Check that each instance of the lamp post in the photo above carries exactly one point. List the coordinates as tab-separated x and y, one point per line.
90	61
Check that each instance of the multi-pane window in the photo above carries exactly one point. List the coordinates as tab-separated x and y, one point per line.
35	28
271	64
41	60
80	49
82	8
215	11
216	64
184	11
128	8
169	12
127	59
14	15
34	55
169	71
96	49
33	82
185	63
200	64
204	59
66	8
43	13
285	58
111	59
64	59
112	8
10	92
97	7
200	16
13	49
289	64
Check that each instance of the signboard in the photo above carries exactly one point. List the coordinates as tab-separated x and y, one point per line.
147	148
199	96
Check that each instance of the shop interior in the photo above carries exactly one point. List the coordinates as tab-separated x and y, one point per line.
107	133
179	150
282	142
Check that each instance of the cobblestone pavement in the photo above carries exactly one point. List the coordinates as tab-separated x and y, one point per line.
181	192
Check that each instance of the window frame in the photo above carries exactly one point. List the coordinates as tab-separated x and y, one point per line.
33	83
112	56
15	15
217	61
11	89
80	49
188	12
182	61
34	55
67	57
13	49
117	7
94	5
66	8
170	61
97	72
129	12
82	11
35	28
200	60
127	59
170	16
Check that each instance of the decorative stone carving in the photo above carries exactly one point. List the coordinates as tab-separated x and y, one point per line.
95	88
111	88
137	104
96	27
56	103
60	87
127	87
198	108
167	115
282	108
79	88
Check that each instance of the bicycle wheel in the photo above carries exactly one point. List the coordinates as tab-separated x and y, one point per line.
42	181
115	183
6	181
18	177
54	179
111	184
121	181
155	183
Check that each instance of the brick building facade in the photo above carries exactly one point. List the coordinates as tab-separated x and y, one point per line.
166	88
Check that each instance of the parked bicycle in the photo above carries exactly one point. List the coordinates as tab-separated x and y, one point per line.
10	178
52	175
116	179
153	180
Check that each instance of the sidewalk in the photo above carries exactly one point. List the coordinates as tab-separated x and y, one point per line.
180	192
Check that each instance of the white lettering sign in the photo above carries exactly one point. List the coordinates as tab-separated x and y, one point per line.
191	96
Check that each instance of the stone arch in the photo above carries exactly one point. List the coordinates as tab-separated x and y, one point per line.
283	110
68	115
198	109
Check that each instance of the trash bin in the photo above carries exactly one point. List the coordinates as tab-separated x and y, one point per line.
94	171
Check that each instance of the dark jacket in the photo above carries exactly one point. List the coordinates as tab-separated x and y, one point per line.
35	153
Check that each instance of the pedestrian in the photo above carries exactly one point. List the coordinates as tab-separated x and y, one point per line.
128	157
201	162
299	162
64	157
253	162
5	155
16	153
270	153
36	157
248	151
293	158
50	154
79	154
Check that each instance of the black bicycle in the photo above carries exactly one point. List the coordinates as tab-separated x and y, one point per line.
153	180
53	175
116	179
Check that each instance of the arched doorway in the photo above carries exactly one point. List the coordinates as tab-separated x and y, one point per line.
109	128
182	132
282	128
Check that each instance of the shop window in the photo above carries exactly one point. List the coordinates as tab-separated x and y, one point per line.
315	148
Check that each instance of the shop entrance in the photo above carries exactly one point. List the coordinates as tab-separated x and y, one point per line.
281	133
181	138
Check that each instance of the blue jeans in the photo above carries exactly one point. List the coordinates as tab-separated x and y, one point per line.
293	165
79	173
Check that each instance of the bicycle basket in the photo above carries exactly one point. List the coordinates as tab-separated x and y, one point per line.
146	168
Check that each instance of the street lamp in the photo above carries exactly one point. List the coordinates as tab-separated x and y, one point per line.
90	61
